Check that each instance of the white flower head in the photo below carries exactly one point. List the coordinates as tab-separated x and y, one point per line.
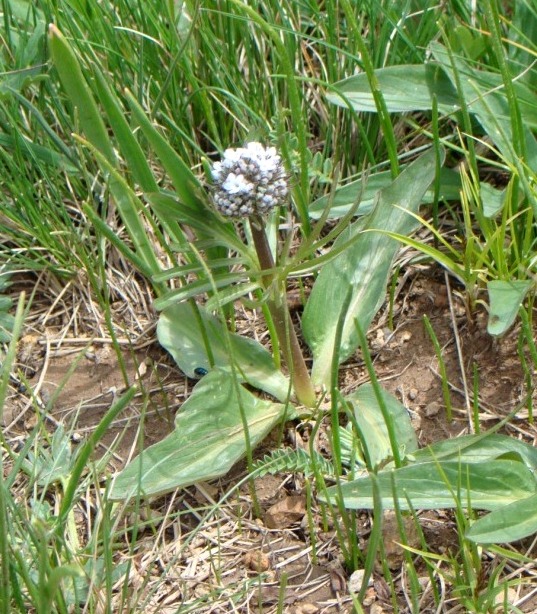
249	180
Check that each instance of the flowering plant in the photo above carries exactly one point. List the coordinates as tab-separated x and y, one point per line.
221	422
225	255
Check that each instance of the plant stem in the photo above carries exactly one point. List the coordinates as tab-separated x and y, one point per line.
277	304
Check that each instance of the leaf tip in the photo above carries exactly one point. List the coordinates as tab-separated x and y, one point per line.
53	30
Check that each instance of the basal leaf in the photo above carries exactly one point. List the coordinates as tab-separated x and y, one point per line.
412	87
369	418
485	98
208	439
505	299
404	88
492	199
186	335
507	524
487	486
362	269
365	190
478	449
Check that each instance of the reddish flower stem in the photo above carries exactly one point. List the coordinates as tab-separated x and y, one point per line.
277	304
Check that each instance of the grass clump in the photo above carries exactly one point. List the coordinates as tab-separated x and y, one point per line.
395	124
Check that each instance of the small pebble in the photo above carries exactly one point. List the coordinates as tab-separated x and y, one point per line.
406	335
432	409
356	580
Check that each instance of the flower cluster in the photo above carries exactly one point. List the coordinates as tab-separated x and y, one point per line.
249	181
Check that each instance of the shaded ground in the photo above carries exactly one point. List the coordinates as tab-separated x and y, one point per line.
269	559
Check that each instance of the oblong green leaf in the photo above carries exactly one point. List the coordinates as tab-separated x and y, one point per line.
208	439
479	449
180	331
365	190
505	299
507	524
485	97
404	88
411	87
129	146
369	418
363	269
130	207
446	484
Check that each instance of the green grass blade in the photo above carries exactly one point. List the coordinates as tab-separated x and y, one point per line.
128	145
183	179
79	93
5	567
130	209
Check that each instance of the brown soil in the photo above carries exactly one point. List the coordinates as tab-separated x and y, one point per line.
79	378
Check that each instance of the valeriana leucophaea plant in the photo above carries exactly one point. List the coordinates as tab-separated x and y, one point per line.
249	182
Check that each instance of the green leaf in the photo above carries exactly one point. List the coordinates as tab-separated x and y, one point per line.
19	80
131	209
183	333
79	93
34	151
365	191
199	288
184	180
485	98
371	423
52	464
202	218
492	199
505	299
404	88
208	439
478	449
363	269
412	87
507	524
445	484
132	152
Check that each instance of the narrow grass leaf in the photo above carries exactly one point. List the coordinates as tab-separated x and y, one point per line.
184	181
208	439
132	152
79	93
5	493
200	287
366	190
34	151
130	208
